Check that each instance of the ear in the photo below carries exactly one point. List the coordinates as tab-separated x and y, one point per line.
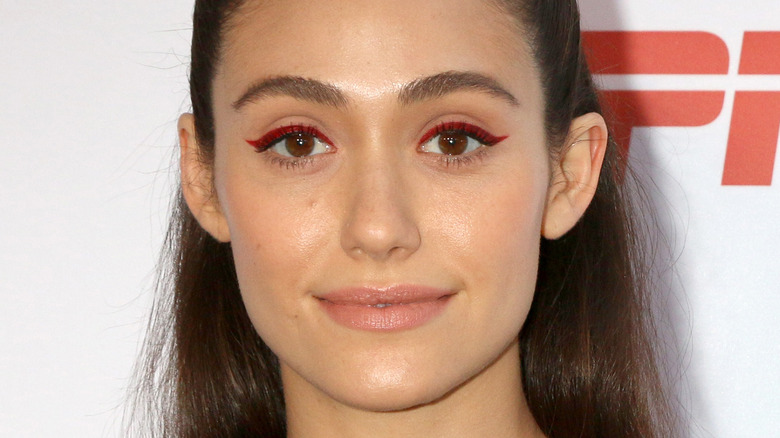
197	182
575	175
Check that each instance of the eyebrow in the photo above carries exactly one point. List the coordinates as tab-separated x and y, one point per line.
439	85
426	88
293	86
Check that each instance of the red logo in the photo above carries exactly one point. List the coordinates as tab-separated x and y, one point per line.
755	121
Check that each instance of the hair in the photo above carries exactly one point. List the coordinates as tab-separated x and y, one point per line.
588	347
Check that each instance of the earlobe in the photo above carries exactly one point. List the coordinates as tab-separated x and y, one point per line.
575	175
197	182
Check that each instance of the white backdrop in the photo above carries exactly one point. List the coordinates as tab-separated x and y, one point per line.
89	95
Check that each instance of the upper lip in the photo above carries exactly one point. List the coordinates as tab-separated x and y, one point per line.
396	294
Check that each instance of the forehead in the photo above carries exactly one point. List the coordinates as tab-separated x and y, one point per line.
367	46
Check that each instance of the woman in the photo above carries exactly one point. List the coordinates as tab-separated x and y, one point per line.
399	218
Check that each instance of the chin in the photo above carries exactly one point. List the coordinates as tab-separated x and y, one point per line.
392	398
394	388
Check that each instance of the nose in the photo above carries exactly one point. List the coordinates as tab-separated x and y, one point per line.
379	222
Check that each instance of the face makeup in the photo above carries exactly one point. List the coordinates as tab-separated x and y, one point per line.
401	307
383	186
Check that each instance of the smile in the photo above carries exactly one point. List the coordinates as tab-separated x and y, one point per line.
393	308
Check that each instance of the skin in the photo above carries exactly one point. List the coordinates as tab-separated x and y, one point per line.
375	210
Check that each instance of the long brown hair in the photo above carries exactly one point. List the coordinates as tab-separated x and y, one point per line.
588	352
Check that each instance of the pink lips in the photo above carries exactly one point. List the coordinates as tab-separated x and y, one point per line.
385	309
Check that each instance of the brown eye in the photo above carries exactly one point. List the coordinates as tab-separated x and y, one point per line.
453	139
294	141
300	144
453	143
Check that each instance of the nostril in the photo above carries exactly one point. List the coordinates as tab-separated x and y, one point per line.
380	236
379	214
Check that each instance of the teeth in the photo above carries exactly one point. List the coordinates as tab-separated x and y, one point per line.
382	305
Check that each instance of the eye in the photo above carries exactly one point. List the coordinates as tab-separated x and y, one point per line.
299	145
450	143
294	141
456	138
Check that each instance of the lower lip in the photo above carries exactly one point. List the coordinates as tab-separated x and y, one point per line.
389	318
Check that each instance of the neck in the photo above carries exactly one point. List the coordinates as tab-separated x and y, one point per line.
489	404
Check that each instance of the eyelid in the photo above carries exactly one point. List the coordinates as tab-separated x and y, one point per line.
272	137
473	131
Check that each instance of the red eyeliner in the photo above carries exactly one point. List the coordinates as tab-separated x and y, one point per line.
267	140
473	131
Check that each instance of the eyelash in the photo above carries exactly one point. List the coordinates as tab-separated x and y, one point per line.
266	141
271	138
475	132
470	130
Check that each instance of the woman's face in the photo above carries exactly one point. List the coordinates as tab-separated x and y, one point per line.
382	171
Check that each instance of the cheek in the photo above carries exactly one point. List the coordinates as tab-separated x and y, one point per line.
511	231
498	235
275	240
496	225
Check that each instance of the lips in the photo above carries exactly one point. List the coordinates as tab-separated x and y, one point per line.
401	307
